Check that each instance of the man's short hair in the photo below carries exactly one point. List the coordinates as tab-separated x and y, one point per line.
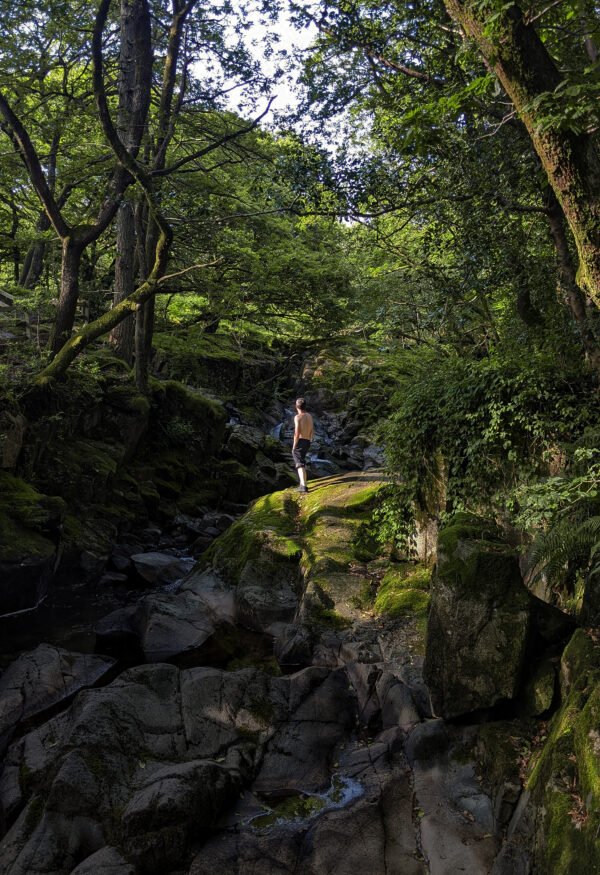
300	403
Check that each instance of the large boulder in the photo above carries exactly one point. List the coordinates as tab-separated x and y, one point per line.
173	626
146	766
134	765
41	679
479	620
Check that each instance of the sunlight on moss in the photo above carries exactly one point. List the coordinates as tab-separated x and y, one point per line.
404	591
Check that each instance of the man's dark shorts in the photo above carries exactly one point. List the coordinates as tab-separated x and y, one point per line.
299	454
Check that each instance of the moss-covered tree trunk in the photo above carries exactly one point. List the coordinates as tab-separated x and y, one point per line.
109	320
567	281
520	60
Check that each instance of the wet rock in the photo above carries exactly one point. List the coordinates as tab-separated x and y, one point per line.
158	568
479	620
116	623
117	636
120	558
318	467
41	679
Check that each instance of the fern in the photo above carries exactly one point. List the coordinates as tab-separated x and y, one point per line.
570	545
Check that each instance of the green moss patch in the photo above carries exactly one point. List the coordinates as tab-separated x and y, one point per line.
268	528
466	526
404	591
565	774
26	516
317	531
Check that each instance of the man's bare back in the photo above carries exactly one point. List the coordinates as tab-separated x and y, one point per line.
304	428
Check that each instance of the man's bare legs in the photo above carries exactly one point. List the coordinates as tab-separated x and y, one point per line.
302	477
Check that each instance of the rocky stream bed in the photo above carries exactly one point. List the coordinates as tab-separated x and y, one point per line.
255	690
272	723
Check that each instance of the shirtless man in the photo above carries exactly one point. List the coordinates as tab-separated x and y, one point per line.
303	434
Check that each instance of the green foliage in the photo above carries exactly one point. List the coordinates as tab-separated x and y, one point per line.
564	511
473	428
392	520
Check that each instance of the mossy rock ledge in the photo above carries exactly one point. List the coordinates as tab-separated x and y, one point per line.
484	630
292	558
29	523
564	779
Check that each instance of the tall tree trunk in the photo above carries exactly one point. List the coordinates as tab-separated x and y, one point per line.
144	328
69	293
121	337
131	119
515	52
567	281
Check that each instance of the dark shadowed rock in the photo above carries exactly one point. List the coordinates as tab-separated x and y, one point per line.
363	823
41	679
479	620
373	457
165	626
267	593
25	581
293	646
297	758
457	825
125	762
